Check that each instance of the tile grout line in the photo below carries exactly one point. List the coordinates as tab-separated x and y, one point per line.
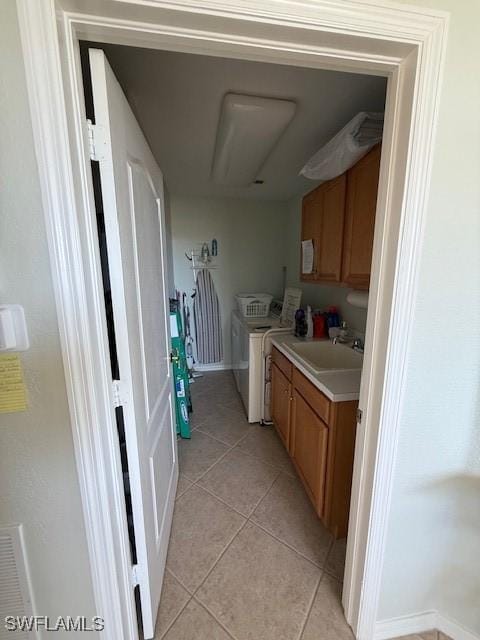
251	455
248	518
176	617
310	607
289	546
273	468
260	526
247	521
328	571
179	495
266	494
231	448
227	631
224	406
222	500
321	568
192	595
227	444
212	465
195	592
189	591
219	558
213	495
332	575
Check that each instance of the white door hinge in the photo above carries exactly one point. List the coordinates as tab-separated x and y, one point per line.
359	416
97	142
118	400
135	575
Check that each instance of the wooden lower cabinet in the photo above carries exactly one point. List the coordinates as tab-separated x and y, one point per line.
341	449
281	400
309	445
319	435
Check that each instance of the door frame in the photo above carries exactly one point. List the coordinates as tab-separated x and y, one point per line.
402	42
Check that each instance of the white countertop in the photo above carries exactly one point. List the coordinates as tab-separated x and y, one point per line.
338	386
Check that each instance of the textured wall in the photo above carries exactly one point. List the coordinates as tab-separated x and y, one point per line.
433	558
251	248
38	479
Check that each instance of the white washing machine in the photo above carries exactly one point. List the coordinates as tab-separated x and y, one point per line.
248	360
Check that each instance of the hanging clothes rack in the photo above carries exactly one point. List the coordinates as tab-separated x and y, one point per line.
198	262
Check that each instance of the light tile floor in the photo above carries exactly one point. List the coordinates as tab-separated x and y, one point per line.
248	558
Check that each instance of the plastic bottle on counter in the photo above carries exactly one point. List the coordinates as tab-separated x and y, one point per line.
333	319
309	322
300	323
319	325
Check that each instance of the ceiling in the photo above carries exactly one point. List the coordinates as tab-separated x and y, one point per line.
177	98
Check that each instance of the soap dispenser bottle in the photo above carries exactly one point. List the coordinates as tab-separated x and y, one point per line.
309	322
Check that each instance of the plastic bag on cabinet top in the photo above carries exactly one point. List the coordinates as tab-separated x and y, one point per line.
345	149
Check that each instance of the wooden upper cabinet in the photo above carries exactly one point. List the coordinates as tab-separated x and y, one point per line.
339	216
361	203
322	221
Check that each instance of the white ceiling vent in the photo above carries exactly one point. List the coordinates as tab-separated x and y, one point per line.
15	595
248	129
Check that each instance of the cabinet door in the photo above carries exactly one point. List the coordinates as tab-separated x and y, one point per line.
362	188
322	221
311	227
309	441
281	395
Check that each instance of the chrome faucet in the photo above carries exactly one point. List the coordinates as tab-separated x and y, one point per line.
358	345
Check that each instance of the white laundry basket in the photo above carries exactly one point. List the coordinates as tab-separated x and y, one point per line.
254	305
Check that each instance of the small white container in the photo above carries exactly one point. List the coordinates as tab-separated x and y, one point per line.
254	305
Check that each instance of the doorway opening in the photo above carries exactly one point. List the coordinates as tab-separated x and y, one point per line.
269	462
381	42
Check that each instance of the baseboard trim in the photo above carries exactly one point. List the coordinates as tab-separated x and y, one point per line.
202	368
405	625
420	622
454	629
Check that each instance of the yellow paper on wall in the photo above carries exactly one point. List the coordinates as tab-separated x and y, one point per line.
13	393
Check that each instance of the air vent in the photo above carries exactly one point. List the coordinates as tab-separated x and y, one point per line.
15	595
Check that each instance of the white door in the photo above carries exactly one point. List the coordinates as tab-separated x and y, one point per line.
132	193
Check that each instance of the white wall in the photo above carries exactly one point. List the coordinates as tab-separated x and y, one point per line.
169	242
38	478
433	544
317	295
251	248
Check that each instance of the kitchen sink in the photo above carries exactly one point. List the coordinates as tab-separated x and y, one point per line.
323	355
